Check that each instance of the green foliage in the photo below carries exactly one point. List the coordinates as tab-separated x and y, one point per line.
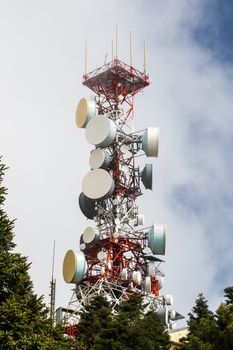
228	295
208	331
23	316
100	330
199	312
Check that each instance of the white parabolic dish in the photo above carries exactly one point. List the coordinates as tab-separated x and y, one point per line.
90	235
98	184
101	131
99	159
150	142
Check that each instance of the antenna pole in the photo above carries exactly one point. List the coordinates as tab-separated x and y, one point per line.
130	48
112	49
85	57
52	290
116	40
145	57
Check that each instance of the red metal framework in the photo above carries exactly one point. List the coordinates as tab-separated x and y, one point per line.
116	83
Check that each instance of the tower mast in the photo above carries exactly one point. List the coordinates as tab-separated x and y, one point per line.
118	256
52	290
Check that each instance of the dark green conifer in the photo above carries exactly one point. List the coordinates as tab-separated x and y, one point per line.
228	295
23	317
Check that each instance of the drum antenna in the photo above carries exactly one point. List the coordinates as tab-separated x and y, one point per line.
52	291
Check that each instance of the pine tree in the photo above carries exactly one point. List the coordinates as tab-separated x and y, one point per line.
228	295
23	316
130	329
200	311
202	327
224	334
96	325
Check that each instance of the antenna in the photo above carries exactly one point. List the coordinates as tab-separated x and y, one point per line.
116	40
130	48
52	291
112	49
85	57
145	57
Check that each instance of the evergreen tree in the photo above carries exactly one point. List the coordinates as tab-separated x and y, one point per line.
224	334
130	329
96	325
200	311
202	327
208	331
23	316
228	295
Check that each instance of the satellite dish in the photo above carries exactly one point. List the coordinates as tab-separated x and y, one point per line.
101	256
169	299
157	239
137	277
147	284
150	142
98	184
141	219
159	280
74	266
147	176
99	159
101	131
90	235
82	245
87	206
85	111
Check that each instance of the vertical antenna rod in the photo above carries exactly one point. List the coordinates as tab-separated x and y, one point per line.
116	40
113	50
85	72
130	48
145	57
52	290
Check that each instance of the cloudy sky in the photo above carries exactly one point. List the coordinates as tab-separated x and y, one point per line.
190	53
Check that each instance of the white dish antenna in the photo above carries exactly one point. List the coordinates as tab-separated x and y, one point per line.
85	111
150	142
99	159
101	131
74	266
98	184
147	176
90	235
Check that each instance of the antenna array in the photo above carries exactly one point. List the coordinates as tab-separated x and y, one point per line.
117	256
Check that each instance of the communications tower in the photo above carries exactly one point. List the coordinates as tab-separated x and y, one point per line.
117	256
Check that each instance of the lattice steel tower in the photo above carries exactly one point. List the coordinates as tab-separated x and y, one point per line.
117	255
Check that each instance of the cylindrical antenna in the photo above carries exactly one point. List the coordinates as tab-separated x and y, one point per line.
54	243
85	57
145	57
116	40
130	48
112	49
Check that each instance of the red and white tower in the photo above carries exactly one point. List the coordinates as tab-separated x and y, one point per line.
117	255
